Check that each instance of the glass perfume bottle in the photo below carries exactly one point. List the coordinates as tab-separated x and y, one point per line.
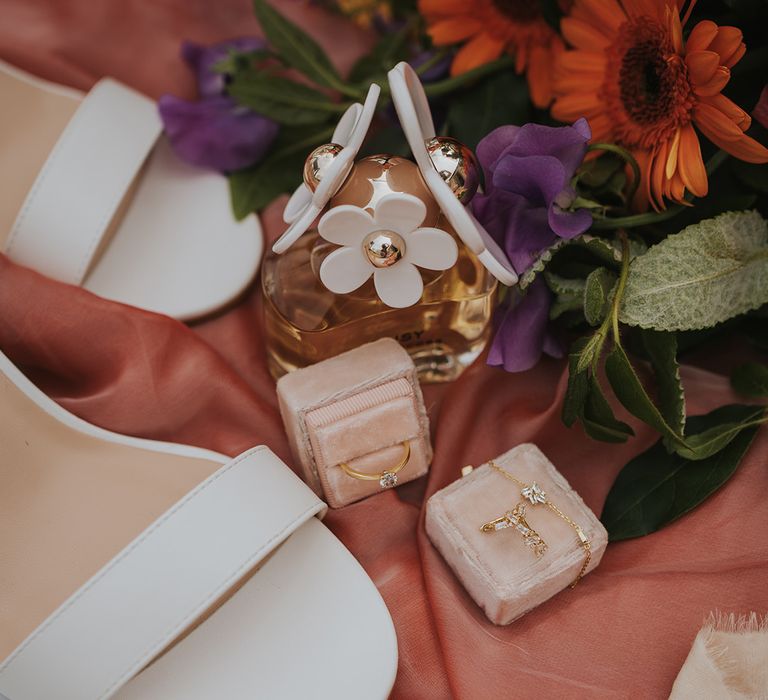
305	322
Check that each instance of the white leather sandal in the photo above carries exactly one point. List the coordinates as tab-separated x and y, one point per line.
226	584
92	195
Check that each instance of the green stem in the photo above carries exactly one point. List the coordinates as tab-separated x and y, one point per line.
655	217
432	61
627	157
443	87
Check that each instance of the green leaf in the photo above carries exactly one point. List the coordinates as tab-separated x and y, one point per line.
253	188
751	379
500	99
597	289
632	394
281	99
390	50
662	352
598	418
656	487
569	294
704	275
578	384
295	46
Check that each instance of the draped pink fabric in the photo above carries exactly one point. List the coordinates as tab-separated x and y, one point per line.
623	632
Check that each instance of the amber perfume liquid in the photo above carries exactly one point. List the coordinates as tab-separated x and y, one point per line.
305	323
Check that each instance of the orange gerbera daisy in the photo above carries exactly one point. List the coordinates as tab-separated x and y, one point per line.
641	86
491	27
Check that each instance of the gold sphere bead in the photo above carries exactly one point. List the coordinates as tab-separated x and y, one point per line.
456	164
317	163
384	248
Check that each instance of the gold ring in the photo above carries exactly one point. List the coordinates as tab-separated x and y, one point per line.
387	478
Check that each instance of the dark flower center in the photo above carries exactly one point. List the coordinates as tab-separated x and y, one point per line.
519	10
646	82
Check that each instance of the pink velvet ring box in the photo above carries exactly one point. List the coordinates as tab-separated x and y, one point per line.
358	409
498	569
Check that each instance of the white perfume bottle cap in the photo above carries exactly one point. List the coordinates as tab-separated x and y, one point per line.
304	205
416	119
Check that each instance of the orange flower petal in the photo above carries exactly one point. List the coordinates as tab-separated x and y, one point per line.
707	116
727	42
715	84
444	8
540	76
607	14
744	147
671	165
690	164
601	127
582	62
569	108
702	66
701	36
582	35
453	30
731	61
643	194
658	164
477	52
735	113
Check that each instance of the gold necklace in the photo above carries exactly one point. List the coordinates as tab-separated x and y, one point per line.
515	518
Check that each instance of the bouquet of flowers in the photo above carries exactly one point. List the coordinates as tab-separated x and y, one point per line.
625	177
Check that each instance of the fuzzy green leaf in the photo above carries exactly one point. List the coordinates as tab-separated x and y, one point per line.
656	487
295	46
281	99
597	290
704	275
662	352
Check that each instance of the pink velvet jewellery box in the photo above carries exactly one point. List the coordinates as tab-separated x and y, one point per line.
499	567
356	422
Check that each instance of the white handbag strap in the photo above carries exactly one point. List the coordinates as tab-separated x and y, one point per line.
137	604
84	180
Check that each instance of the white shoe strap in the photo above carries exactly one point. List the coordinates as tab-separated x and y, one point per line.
161	583
84	180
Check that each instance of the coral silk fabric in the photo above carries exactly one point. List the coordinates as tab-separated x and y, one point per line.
623	632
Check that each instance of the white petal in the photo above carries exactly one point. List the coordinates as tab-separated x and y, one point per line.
400	285
431	248
400	212
345	270
301	196
346	224
346	125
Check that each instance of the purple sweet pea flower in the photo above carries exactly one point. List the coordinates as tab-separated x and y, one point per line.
528	171
215	132
523	330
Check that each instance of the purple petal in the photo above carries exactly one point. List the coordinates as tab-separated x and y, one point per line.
493	145
566	143
523	232
537	178
438	71
568	224
202	59
760	112
215	132
521	334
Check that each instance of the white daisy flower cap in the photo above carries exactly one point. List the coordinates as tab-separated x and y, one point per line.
412	108
389	245
304	205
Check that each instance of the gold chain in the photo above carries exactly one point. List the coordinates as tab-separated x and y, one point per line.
583	539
